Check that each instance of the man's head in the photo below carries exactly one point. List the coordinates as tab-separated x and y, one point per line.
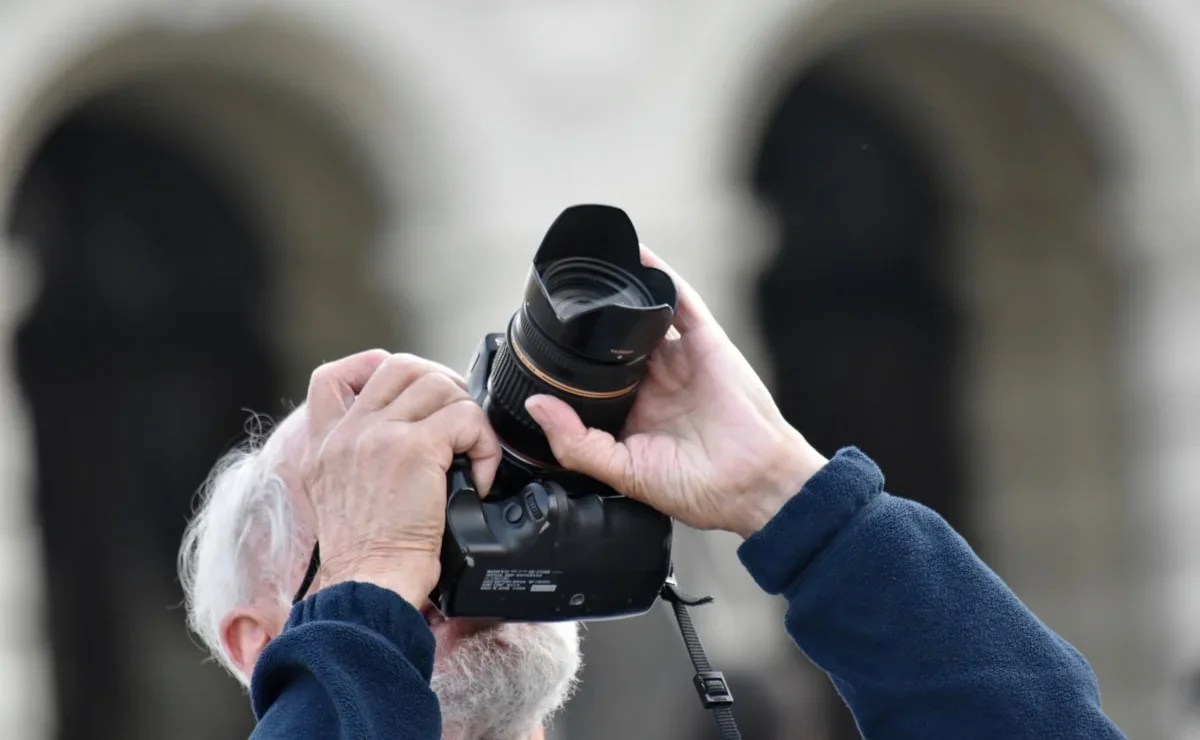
244	556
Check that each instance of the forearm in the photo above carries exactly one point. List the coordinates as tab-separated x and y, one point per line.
920	637
354	661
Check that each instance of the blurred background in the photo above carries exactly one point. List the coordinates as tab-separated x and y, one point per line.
961	234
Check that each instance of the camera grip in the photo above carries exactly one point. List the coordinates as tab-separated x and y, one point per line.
459	478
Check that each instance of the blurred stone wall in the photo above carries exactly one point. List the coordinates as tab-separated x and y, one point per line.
439	140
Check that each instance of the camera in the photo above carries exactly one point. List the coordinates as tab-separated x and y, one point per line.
547	544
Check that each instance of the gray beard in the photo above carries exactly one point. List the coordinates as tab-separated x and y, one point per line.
505	682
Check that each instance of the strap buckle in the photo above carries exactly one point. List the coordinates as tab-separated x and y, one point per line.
672	595
713	689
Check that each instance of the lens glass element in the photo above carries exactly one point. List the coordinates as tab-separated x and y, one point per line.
581	284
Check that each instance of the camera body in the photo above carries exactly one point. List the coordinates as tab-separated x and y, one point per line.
546	545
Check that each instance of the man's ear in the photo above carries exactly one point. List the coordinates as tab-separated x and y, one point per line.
245	632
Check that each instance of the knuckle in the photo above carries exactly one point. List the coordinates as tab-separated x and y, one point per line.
322	375
442	382
436	387
456	421
328	374
397	365
466	411
459	396
403	360
381	355
454	377
423	383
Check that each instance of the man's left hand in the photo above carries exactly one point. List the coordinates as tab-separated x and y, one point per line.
704	443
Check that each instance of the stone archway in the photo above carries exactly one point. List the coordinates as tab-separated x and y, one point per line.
1026	169
1026	324
141	349
318	205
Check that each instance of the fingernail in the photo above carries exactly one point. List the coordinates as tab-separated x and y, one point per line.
536	408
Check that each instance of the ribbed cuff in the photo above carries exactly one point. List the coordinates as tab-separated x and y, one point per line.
377	609
777	554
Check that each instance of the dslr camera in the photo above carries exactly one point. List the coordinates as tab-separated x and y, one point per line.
547	544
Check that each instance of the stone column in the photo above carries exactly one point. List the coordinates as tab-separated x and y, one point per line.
1163	370
1057	511
1166	483
25	695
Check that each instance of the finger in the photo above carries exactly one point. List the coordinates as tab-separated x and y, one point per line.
333	386
592	452
397	374
465	427
691	313
427	394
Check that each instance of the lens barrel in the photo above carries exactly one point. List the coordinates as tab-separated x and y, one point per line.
591	316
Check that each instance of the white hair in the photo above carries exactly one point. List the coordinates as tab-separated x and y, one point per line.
242	542
247	544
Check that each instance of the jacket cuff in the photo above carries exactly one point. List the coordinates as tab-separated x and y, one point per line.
377	609
777	554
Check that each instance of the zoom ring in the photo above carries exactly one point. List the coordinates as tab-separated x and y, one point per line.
511	383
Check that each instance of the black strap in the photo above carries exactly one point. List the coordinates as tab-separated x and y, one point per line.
710	685
314	564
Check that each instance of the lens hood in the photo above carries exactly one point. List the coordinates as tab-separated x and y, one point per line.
607	332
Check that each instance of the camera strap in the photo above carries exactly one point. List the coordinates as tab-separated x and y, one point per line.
310	575
711	685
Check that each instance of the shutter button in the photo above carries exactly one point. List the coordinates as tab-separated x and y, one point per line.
513	513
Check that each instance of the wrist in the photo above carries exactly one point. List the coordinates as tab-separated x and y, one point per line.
412	577
787	472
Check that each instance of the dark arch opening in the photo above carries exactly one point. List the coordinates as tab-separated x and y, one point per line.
145	346
863	336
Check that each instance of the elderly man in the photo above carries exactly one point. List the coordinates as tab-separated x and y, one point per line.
921	639
245	555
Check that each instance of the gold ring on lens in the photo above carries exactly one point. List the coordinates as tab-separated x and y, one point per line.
595	395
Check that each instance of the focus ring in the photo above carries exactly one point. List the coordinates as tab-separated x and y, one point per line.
510	384
536	344
550	357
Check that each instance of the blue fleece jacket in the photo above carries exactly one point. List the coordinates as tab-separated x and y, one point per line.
921	639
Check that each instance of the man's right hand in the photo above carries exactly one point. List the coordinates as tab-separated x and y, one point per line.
382	432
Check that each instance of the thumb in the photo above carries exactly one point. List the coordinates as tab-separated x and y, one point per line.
592	452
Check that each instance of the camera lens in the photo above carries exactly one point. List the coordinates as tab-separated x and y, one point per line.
577	285
592	314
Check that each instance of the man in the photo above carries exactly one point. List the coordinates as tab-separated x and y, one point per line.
244	557
921	639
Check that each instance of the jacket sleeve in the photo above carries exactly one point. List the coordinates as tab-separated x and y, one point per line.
353	663
920	638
